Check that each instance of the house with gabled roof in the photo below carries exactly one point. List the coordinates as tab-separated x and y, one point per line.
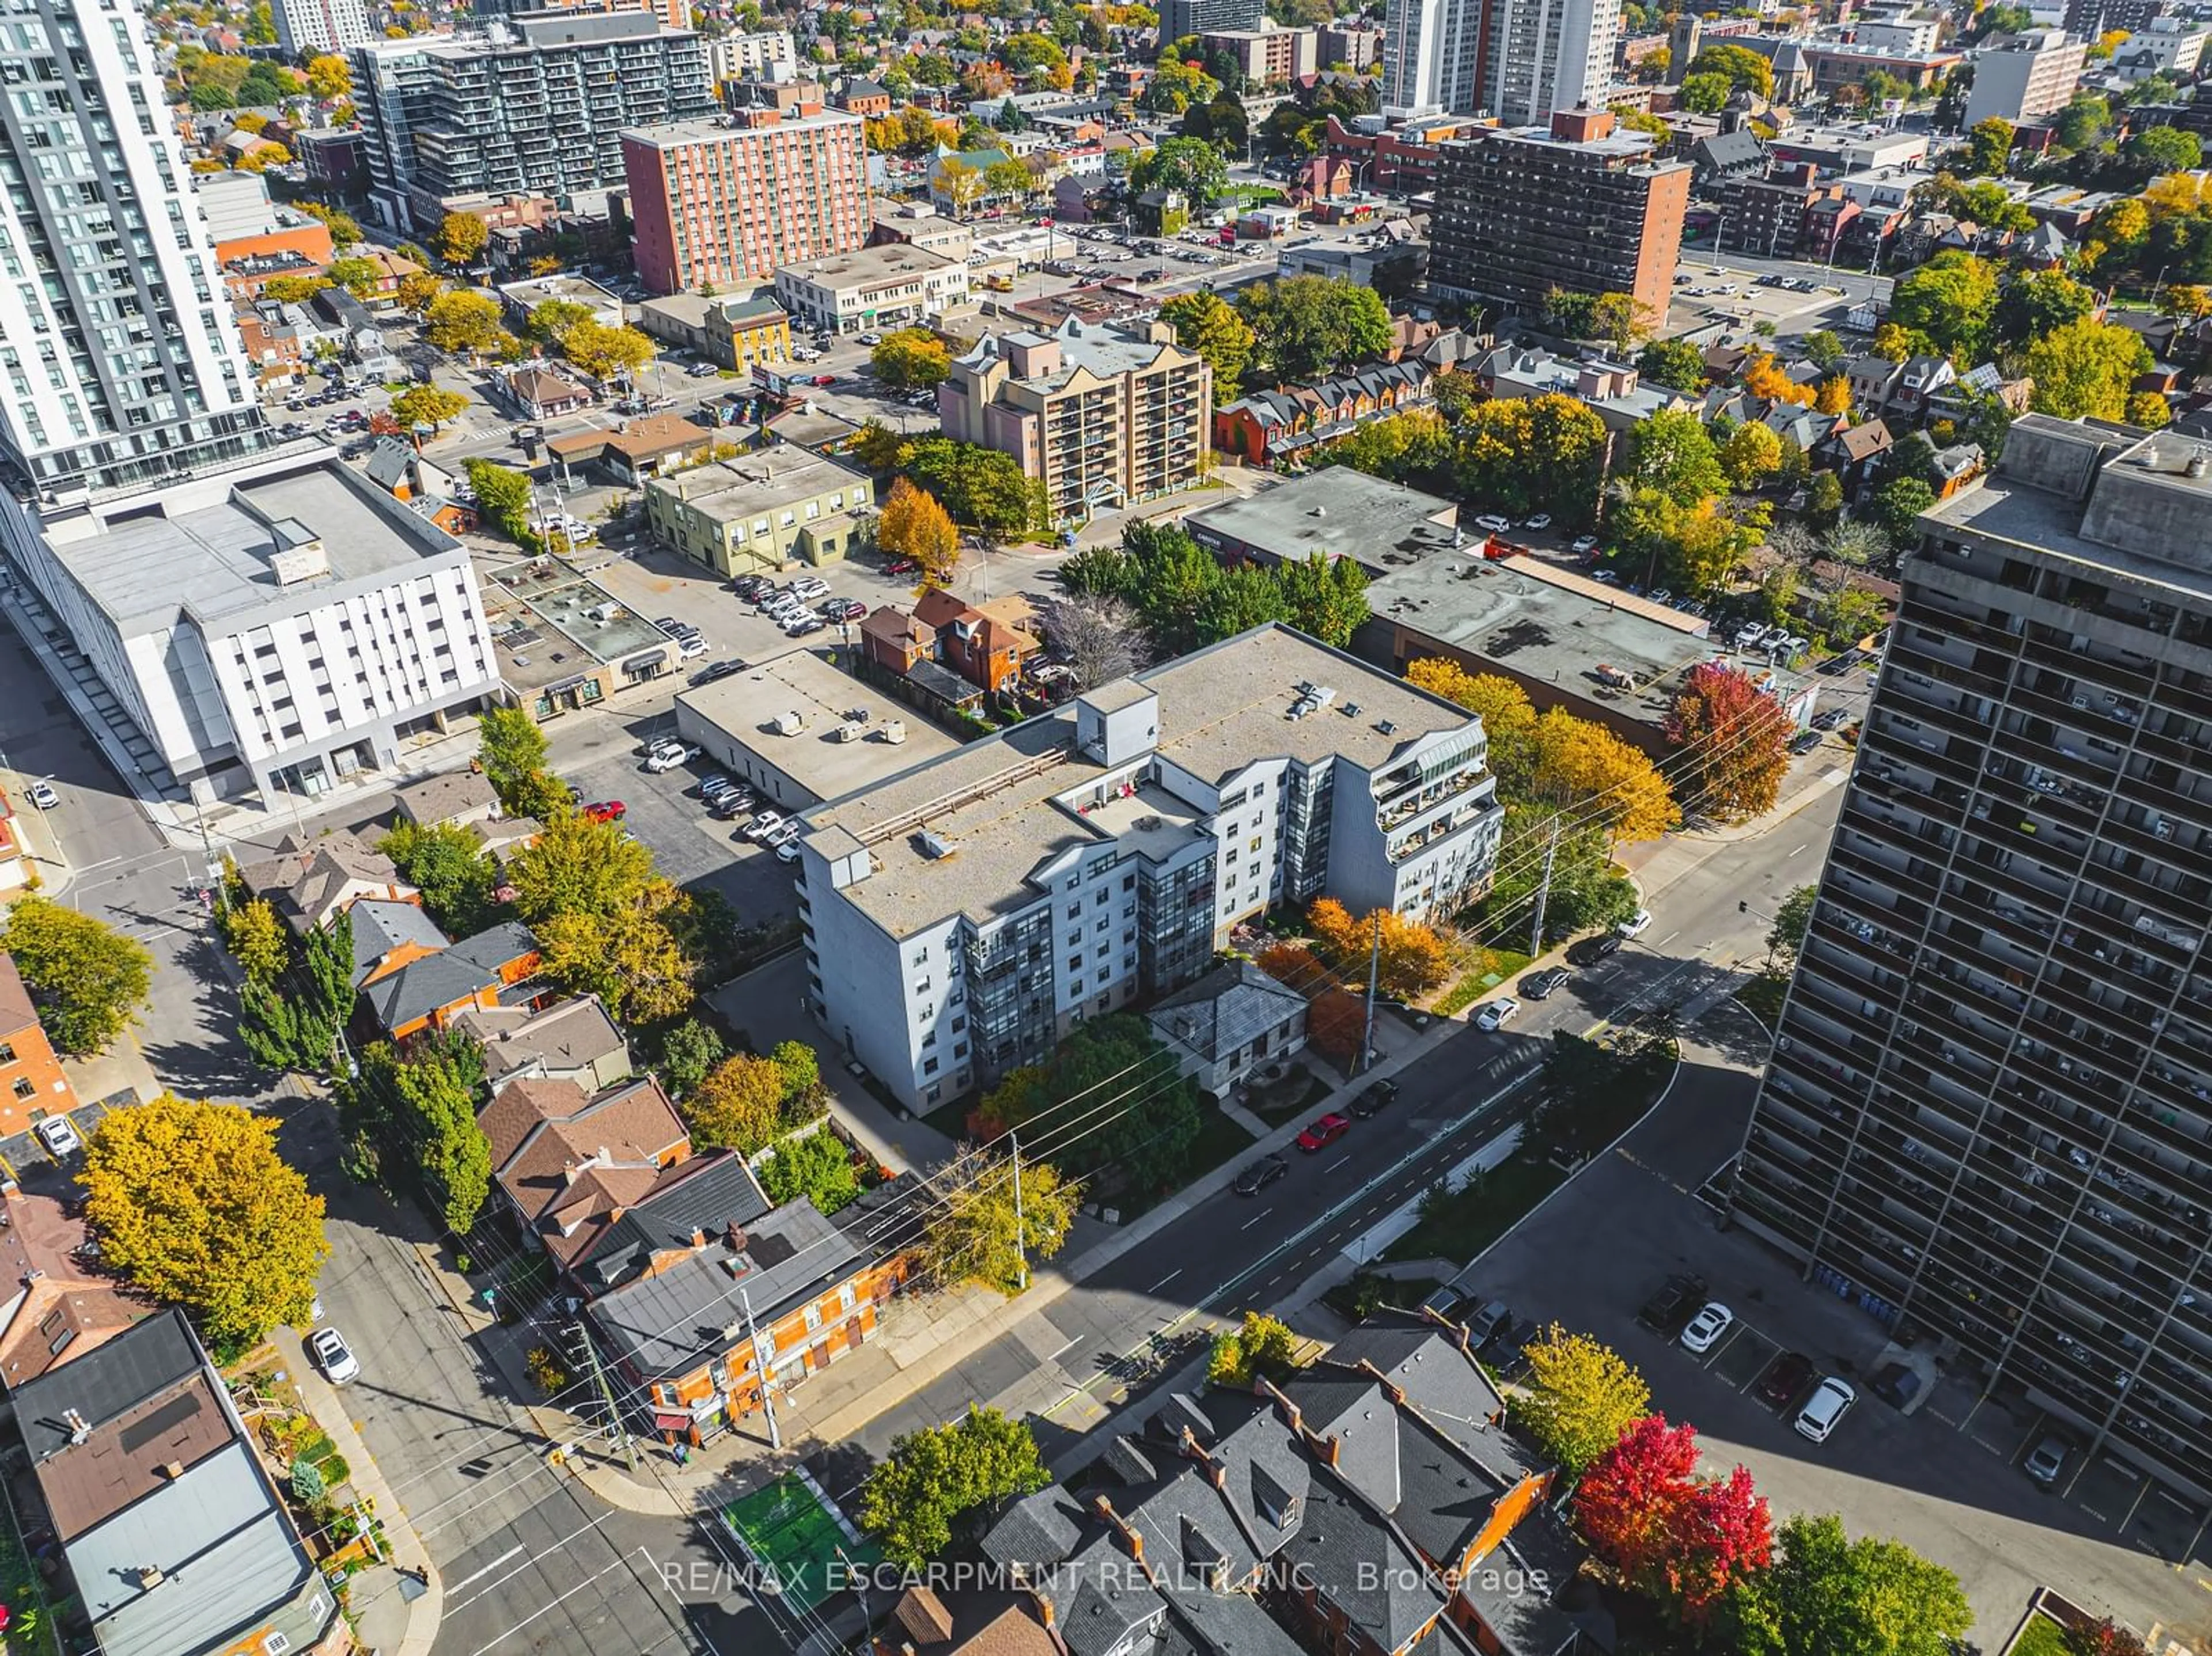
313	877
573	1041
430	991
569	1163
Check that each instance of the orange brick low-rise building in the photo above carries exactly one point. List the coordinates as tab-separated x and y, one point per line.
31	1084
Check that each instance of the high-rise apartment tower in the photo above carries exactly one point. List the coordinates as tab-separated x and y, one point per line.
1988	1117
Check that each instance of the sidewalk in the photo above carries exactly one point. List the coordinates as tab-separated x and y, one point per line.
387	1618
919	1341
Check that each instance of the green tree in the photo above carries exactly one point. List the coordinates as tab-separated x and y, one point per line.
911	359
933	1477
1826	1594
2083	123
1242	597
1620	322
1793	917
1325	598
358	276
2038	303
975	1235
1535	453
1989	147
1952	299
1307	326
510	751
450	867
2087	369
1206	323
1135	1150
1898	508
1588	890
1262	1345
462	321
1824	350
420	1110
1824	497
192	1204
502	496
795	1061
1848	614
1580	1395
551	320
1674	455
635	959
1191	167
579	866
1415	448
1744	69
980	487
259	942
1674	362
88	980
462	237
688	1052
1704	94
427	405
817	1167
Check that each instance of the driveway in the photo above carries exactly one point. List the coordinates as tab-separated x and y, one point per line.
1955	1495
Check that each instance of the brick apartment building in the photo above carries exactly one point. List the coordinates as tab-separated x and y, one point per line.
1578	206
724	201
1103	414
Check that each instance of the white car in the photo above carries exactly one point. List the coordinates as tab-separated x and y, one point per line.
787	850
1707	1328
1493	523
810	586
1584	544
42	795
870	339
1635	924
692	644
1494	1015
1825	1408
60	1137
1541	520
667	755
763	825
334	1357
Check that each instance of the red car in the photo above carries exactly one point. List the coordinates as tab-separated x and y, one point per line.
607	810
900	567
1324	1133
825	379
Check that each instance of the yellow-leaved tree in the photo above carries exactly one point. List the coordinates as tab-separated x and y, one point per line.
913	525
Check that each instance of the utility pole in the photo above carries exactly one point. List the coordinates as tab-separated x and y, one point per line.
1543	892
1021	1234
761	1362
1374	973
606	1396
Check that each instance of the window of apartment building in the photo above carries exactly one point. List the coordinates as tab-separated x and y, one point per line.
7	1051
934	1095
1075	987
1128	883
959	1024
846	1298
1105	924
929	1066
1074	938
23	1087
813	1315
959	1051
1099	901
1075	962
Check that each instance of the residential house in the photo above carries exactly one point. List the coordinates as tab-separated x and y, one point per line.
361	338
31	1084
731	333
1228	1022
1855	454
442	496
569	1163
988	654
1874	381
1613	391
272	344
310	879
711	1195
59	1305
572	1041
540	393
959	1621
652	446
1236	1525
174	1539
1271	425
429	992
1923	376
1158	212
1955	402
387	936
759	510
892	639
860	96
453	799
695	1338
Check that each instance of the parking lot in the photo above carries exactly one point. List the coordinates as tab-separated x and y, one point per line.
1944	1478
36	1168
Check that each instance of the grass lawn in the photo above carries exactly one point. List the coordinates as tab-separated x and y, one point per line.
1471	1221
1219	1139
1355	1300
1763	995
952	1120
1289	1106
2041	1637
1492	967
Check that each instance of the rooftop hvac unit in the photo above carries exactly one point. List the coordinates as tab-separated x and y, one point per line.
935	846
894	731
790	723
848	731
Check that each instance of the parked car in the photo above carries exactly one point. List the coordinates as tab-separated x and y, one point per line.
787	851
805	626
870	339
42	795
1705	1329
1541	520
1585	545
717	670
1784	1378
1635	924
1830	719
1487	1323
1493	523
810	587
1895	1385
1590	951
1495	1013
1260	1174
60	1137
606	810
1671	1302
1445	1300
1324	1133
666	755
1541	985
901	567
703	370
763	825
334	1357
844	610
1805	741
691	646
1831	1398
2047	1460
1374	1099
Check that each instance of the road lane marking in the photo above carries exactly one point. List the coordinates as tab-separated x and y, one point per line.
512	1552
1339	1162
619	1563
1255	1218
1793	853
1164	1281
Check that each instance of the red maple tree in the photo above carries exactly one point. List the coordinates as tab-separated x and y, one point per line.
1671	1535
1736	738
1334	1023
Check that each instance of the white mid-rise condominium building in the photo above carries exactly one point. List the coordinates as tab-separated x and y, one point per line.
962	917
1519	60
306	28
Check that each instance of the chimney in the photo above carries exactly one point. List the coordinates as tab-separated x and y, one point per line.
79	1430
1216	1473
1283	1406
150	1577
173	1470
698	1237
1130	1538
1331	1447
1044	1607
